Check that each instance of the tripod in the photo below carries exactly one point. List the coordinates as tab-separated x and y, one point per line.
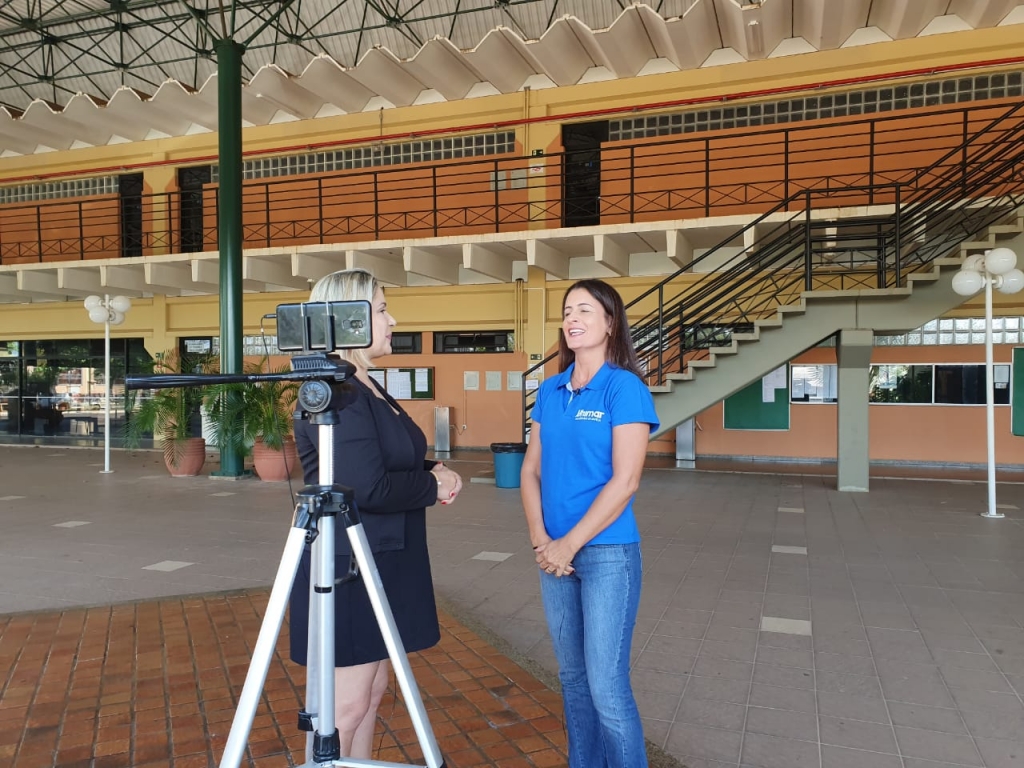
314	520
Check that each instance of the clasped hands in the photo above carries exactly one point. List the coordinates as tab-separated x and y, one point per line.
449	483
555	556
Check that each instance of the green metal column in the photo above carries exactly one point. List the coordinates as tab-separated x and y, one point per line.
229	225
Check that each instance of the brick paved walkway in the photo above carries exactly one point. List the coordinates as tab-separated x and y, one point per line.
154	685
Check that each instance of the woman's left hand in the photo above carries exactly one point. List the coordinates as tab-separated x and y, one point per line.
555	557
449	483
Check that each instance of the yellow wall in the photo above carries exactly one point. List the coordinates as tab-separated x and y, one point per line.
480	417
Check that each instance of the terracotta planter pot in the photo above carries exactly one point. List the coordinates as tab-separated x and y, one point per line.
274	466
191	457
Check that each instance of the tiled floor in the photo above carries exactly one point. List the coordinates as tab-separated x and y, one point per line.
154	685
782	624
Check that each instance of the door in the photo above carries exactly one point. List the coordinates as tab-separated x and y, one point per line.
190	188
581	174
129	190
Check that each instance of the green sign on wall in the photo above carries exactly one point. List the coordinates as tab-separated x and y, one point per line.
762	405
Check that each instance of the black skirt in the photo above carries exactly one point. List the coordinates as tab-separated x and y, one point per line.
405	575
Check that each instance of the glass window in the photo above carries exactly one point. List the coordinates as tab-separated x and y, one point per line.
9	400
474	341
814	384
900	384
965	384
406	342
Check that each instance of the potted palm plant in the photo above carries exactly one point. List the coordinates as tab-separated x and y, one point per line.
256	418
172	417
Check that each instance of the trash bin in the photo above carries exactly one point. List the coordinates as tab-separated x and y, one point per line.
508	462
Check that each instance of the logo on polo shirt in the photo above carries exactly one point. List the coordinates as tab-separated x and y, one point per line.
582	415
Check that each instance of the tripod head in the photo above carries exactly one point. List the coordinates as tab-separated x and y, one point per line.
315	329
318	375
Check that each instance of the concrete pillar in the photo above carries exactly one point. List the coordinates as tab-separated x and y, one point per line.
543	188
162	339
853	353
161	184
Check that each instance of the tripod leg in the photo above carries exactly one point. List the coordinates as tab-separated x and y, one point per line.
396	650
325	737
312	665
262	654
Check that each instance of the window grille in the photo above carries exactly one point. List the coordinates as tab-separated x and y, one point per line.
960	330
886	98
54	190
380	155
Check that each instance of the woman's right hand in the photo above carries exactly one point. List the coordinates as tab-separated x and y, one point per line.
449	483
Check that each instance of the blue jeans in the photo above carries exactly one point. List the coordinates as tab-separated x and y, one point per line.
590	615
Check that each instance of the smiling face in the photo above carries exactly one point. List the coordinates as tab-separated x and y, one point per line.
382	322
584	322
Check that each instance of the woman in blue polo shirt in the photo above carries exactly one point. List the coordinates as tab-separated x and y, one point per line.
591	425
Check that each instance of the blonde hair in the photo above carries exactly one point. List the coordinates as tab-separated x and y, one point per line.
348	285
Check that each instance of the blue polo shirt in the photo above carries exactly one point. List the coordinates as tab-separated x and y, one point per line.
576	440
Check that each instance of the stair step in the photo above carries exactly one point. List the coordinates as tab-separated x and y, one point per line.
745	337
701	364
1004	229
864	292
688	376
660	389
792	309
723	350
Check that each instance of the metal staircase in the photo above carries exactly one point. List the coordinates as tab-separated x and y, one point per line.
815	266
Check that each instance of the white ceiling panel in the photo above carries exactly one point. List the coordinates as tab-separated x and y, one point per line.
441	66
901	19
827	24
982	13
325	57
562	54
503	58
627	44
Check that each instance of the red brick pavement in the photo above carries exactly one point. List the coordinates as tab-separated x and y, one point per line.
154	685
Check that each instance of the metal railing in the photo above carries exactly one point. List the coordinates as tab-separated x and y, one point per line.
938	207
683	176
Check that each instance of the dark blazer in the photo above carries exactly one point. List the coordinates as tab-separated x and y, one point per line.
375	456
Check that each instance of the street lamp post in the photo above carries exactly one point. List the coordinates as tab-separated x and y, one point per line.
109	310
994	269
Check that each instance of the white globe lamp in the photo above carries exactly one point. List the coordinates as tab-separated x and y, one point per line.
967	282
108	311
1011	282
996	268
999	261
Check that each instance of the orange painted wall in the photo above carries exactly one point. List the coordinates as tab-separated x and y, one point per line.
81	228
489	416
413	200
746	170
917	433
